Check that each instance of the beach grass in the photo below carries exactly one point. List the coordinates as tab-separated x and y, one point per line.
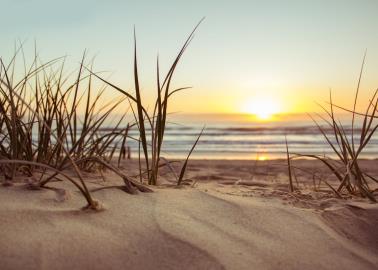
156	121
42	133
346	168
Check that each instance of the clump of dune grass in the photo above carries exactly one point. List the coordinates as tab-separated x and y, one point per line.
346	168
41	132
18	117
156	121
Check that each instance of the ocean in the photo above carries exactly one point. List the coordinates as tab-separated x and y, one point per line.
243	137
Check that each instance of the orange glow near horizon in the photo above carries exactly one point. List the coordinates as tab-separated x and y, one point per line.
262	108
262	158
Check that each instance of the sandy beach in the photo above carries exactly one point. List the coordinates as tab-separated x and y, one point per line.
230	215
157	135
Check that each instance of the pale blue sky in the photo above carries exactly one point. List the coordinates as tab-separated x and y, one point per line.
292	50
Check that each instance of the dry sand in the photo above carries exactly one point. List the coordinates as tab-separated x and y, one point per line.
233	215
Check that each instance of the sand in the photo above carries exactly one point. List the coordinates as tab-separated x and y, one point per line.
232	215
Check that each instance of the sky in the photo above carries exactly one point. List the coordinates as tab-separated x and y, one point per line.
245	54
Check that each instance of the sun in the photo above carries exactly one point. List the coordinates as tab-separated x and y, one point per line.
262	108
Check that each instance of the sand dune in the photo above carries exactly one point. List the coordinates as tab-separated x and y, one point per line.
206	227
